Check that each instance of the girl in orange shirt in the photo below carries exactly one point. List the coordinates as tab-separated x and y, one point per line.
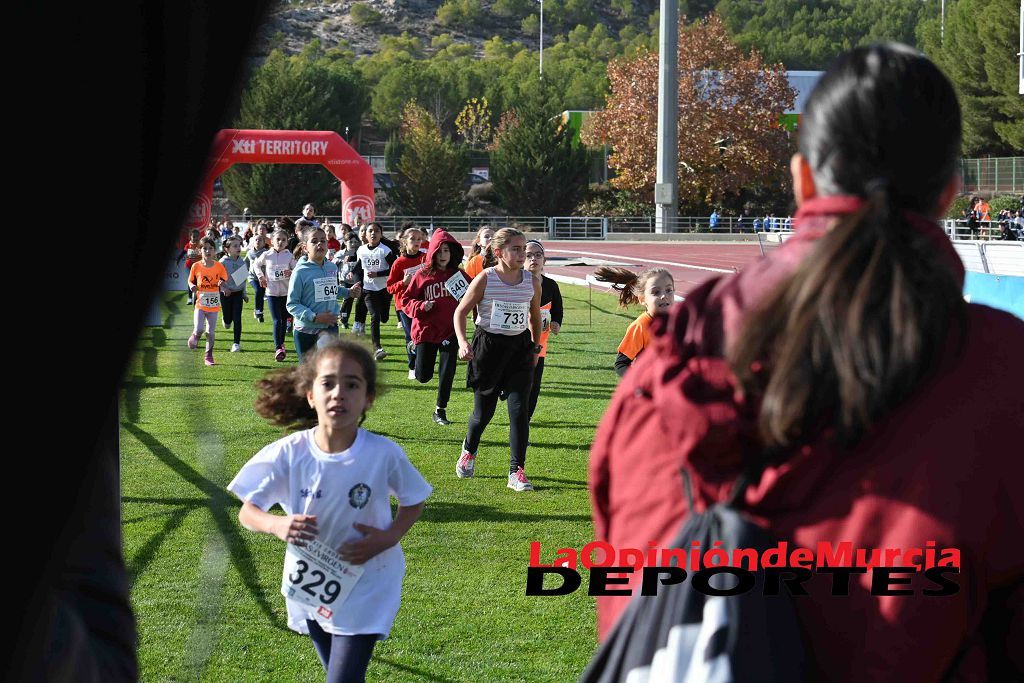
655	289
475	264
206	282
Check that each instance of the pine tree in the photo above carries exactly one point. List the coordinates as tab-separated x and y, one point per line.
431	169
537	167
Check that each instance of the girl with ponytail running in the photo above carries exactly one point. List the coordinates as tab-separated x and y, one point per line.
655	289
847	392
504	349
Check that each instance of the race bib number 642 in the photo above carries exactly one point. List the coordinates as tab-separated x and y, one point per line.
318	577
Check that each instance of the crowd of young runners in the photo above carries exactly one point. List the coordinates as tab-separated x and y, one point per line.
312	274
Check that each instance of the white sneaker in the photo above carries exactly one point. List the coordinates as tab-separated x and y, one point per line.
412	374
465	466
380	354
358	328
519	482
235	348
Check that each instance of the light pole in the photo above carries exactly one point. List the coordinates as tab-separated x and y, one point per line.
666	202
542	38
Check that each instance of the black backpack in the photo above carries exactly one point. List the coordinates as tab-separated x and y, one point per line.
739	638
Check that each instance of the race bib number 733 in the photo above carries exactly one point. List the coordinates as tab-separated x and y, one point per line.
316	576
508	315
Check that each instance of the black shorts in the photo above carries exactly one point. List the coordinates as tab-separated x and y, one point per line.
500	362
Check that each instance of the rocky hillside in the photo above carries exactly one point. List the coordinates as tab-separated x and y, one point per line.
291	25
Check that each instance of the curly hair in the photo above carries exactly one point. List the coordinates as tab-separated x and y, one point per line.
281	394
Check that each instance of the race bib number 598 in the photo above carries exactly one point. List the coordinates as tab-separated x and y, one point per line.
318	577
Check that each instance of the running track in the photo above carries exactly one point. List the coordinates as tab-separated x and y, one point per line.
690	263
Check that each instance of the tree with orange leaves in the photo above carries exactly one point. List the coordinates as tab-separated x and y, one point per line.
729	109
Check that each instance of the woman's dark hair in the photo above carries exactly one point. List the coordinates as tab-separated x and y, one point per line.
281	394
862	320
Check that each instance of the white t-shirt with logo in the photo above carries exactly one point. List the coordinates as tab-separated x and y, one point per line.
341	489
373	261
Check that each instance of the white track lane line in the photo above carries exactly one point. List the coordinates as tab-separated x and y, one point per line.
620	257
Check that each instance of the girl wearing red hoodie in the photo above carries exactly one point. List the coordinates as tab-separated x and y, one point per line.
847	378
409	261
429	300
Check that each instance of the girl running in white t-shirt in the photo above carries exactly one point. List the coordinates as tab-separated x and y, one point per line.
343	568
504	349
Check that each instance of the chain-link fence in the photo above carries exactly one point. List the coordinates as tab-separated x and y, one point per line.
993	175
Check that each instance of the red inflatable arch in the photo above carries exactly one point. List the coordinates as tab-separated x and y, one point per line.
288	147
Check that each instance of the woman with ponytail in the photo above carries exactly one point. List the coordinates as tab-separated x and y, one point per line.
845	375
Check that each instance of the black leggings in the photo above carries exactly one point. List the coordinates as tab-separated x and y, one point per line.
232	305
346	309
345	658
519	424
538	372
378	305
425	356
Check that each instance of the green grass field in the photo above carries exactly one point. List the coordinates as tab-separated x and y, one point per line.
206	591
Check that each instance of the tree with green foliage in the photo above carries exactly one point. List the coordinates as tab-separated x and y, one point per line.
978	54
809	34
364	15
301	92
533	153
431	168
462	13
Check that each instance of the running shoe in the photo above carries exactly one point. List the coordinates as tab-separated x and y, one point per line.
193	341
410	346
227	324
209	358
235	348
380	354
344	324
399	324
412	374
279	356
517	481
464	467
440	417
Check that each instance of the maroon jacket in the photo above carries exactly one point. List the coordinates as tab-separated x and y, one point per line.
945	466
437	324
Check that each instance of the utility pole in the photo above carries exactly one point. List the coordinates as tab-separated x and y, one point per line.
666	186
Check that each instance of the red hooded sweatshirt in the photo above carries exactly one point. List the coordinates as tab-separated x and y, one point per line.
395	284
946	466
437	324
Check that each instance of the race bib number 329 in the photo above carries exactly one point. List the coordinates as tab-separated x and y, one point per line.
316	576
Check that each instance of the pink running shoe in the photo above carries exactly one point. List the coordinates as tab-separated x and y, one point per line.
518	481
279	356
193	341
209	358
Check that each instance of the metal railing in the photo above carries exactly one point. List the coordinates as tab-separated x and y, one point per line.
692	224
